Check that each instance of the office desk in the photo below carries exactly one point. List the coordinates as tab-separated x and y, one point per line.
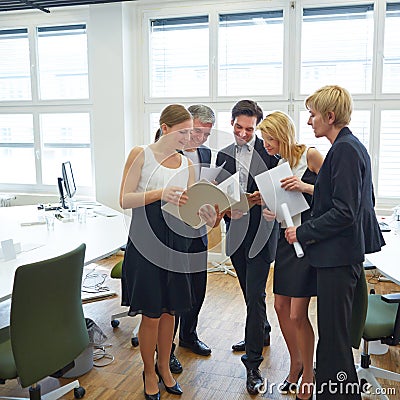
387	260
102	235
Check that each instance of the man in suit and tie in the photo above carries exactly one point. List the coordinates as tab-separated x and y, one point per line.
343	227
250	241
200	155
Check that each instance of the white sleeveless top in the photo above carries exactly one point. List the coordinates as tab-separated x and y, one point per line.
156	176
298	171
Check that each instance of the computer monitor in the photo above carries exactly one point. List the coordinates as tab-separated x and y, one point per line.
68	177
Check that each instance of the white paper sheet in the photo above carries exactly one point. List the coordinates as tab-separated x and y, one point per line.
231	187
274	196
210	173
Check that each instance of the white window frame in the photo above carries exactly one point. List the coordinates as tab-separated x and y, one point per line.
291	101
32	20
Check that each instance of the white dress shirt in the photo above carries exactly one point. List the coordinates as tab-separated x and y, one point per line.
243	157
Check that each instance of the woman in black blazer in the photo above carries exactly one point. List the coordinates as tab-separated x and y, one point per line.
342	229
295	281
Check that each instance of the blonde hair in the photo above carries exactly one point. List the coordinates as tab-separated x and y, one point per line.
171	115
280	127
332	98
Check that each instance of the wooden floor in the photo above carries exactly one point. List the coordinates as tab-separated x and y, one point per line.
220	376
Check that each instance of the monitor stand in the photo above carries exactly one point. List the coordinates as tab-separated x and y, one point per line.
61	192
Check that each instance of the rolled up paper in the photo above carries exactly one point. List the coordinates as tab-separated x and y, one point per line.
289	222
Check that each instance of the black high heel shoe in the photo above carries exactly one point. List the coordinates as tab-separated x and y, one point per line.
311	396
176	389
286	386
156	396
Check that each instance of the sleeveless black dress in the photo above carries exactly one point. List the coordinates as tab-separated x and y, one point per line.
155	269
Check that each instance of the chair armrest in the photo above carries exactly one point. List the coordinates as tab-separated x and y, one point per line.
391	298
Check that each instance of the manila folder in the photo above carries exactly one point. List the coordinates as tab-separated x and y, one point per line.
199	194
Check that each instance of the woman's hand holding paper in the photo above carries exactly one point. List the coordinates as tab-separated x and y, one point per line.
210	214
292	183
255	198
268	215
175	195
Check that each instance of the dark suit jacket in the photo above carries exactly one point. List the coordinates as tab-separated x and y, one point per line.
204	155
205	160
252	230
343	226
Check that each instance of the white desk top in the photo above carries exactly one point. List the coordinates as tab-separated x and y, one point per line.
387	260
103	236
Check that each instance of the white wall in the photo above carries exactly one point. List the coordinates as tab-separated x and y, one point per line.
106	70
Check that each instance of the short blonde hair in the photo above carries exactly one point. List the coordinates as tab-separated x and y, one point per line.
280	126
335	99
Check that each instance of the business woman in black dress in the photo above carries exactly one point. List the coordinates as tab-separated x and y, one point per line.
342	229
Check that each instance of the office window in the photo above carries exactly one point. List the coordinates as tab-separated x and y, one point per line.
250	54
15	72
63	64
255	53
66	137
389	154
337	48
154	125
54	124
17	154
224	132
391	52
179	57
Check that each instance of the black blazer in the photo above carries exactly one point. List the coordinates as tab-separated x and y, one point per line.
204	155
343	225
252	230
205	160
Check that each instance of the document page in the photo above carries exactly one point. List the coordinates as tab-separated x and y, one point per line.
210	173
274	196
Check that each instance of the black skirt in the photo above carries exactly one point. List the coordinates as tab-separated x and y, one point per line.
293	277
155	270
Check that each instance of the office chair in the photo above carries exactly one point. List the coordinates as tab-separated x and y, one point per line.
116	273
382	323
47	328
